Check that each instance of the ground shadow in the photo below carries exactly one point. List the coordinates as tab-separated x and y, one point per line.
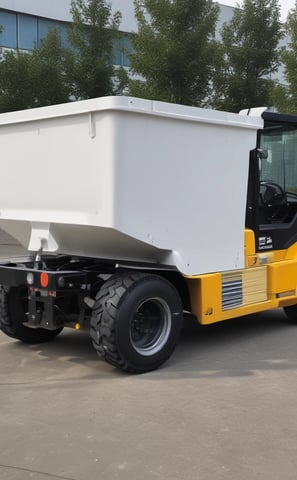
237	347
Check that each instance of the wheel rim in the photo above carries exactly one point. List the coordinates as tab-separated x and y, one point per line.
150	326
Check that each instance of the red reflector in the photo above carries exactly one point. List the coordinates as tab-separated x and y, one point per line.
44	279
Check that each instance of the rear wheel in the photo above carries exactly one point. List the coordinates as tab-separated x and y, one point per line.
13	308
136	321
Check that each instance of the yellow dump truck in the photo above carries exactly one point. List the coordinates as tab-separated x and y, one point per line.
135	213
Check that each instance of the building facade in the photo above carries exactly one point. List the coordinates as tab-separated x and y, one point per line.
26	23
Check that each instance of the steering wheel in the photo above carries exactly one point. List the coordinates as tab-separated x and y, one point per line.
272	194
273	202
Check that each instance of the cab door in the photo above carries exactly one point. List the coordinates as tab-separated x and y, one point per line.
272	192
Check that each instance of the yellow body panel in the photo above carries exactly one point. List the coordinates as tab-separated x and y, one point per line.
268	281
282	277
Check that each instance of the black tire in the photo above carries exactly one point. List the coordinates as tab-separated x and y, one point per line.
291	313
136	321
13	307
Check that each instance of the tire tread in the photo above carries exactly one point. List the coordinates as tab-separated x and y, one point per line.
104	319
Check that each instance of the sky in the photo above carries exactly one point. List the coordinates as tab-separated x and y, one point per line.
286	5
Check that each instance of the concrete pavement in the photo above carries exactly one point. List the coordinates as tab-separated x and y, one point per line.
223	407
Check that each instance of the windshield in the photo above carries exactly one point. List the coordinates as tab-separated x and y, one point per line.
279	159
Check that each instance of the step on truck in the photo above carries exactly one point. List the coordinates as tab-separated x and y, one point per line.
136	213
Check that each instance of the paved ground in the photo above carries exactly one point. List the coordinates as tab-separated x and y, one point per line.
224	407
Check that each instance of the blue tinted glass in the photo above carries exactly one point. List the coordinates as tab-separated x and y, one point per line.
27	32
43	28
127	48
8	37
63	27
121	47
45	25
117	54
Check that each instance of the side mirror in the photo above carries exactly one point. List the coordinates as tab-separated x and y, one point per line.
262	154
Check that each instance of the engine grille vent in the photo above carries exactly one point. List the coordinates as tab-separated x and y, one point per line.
232	293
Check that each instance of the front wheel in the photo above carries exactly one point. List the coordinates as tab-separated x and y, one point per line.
136	321
291	313
13	308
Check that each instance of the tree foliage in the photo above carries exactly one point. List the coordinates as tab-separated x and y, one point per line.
175	57
174	50
285	96
250	45
92	34
51	74
36	79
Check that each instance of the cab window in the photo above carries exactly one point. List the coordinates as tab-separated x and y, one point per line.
278	175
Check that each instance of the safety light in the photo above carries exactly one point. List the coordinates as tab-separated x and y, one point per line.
44	279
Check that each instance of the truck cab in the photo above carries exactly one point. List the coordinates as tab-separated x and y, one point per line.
272	191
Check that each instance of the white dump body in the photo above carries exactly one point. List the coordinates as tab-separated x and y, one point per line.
129	180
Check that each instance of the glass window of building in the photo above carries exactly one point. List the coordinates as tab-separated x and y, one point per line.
63	27
8	35
44	26
126	48
27	29
121	48
117	54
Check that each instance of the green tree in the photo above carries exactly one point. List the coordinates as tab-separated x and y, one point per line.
93	33
48	71
285	96
174	51
251	55
14	94
34	79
